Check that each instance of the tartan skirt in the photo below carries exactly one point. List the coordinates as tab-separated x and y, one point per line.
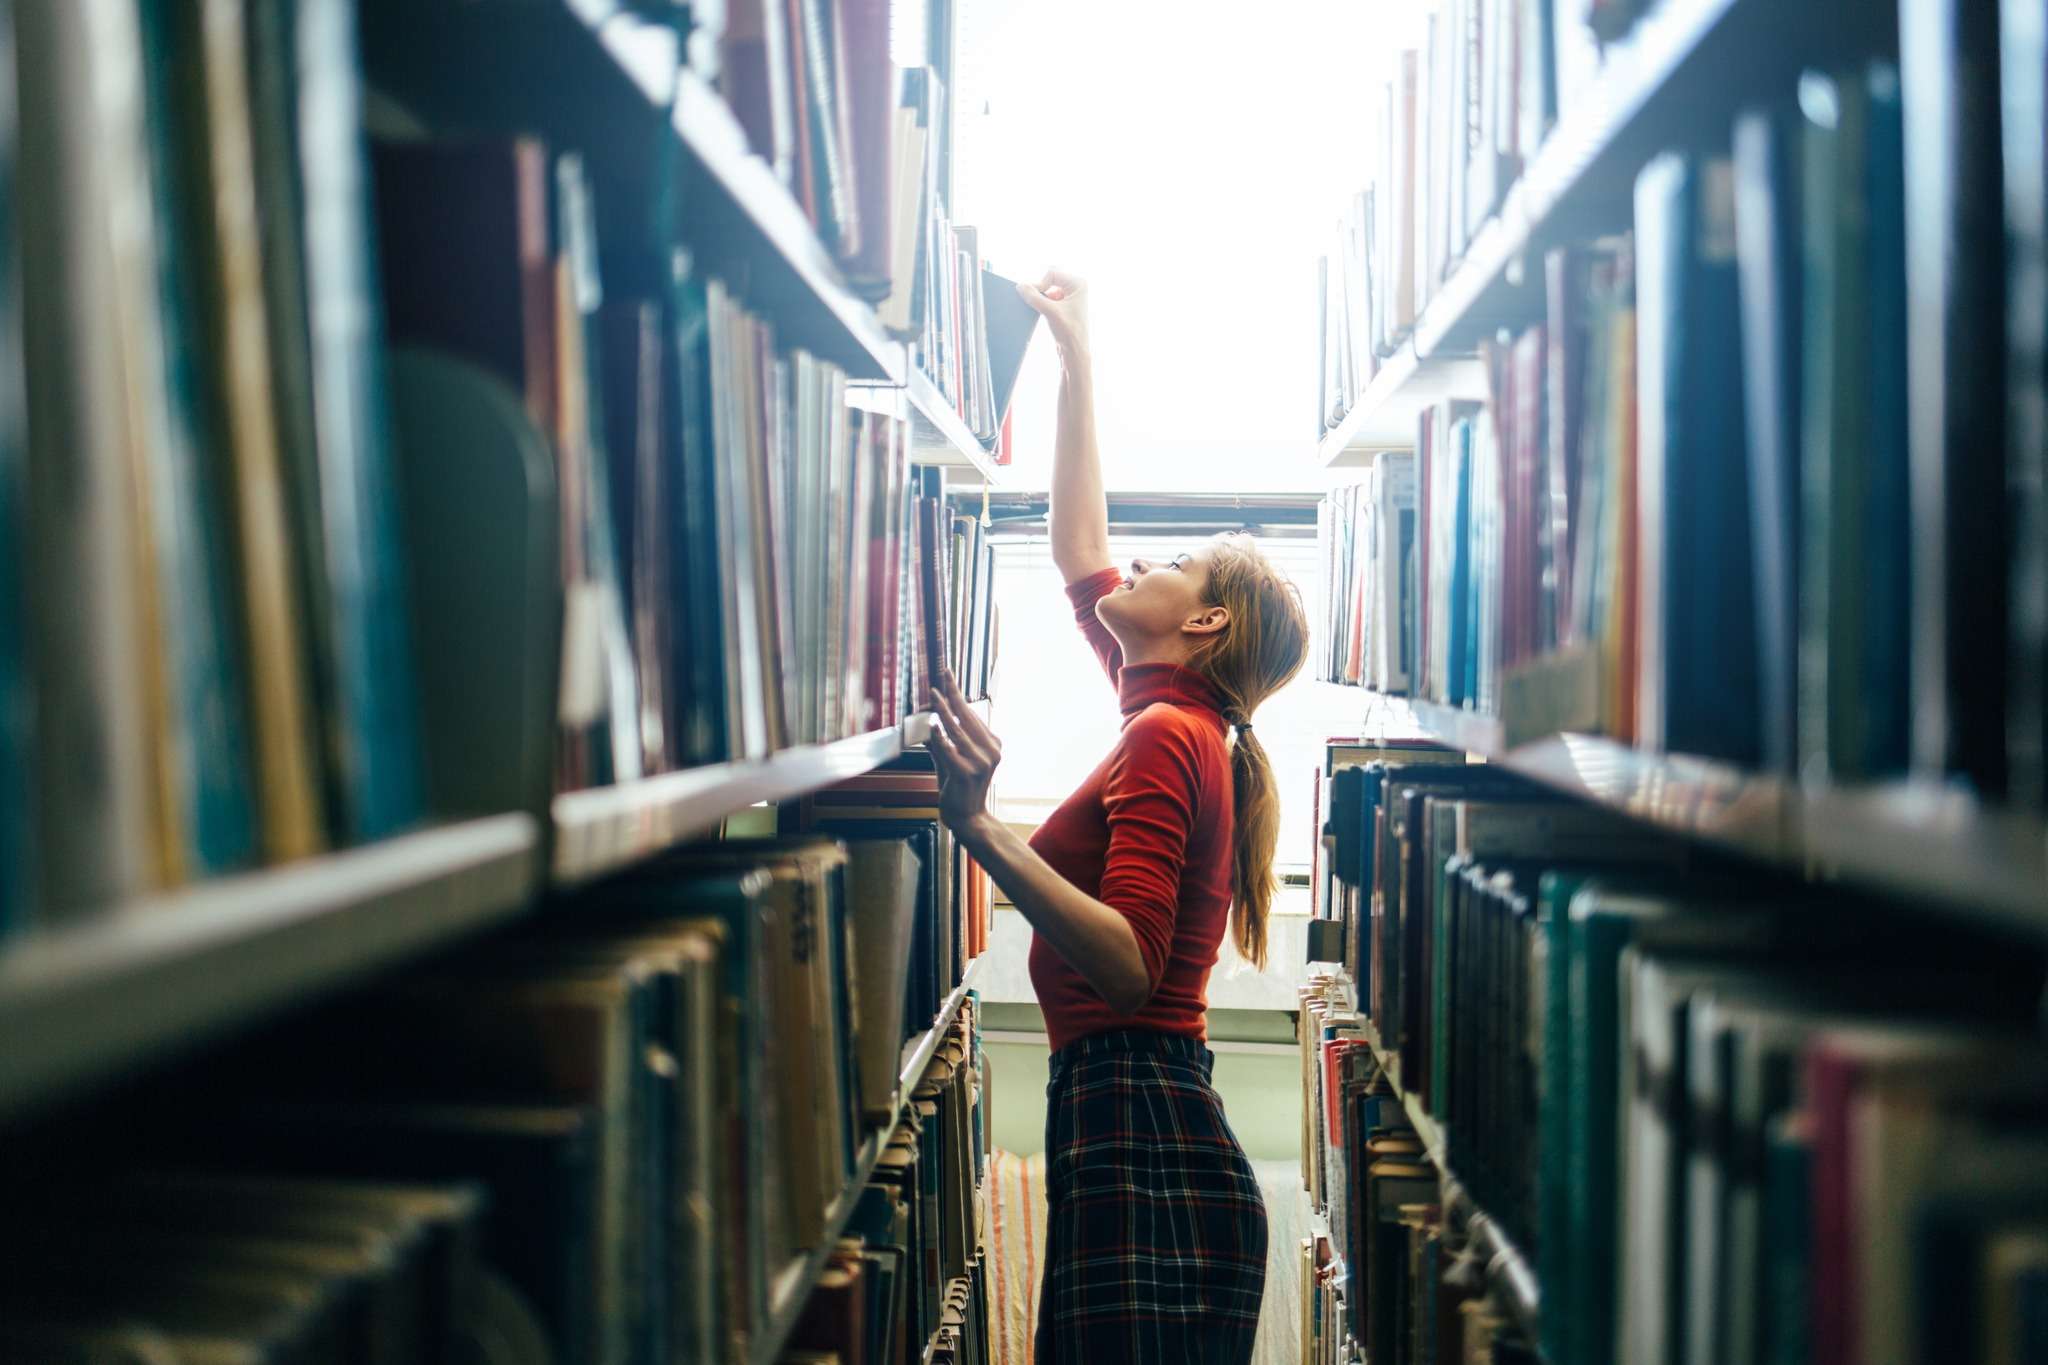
1155	1230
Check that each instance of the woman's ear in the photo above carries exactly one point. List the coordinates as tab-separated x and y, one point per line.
1207	621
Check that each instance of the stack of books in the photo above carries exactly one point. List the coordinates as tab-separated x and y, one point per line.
1787	1097
655	1106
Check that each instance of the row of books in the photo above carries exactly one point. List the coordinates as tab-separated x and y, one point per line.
1385	1282
664	1088
865	145
907	1283
325	415
1454	123
204	651
861	142
1798	581
1367	535
1727	1119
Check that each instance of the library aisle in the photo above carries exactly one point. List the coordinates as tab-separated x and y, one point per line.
490	491
1676	991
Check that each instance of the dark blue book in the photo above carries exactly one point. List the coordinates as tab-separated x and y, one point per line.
1880	729
1955	237
1766	147
1697	691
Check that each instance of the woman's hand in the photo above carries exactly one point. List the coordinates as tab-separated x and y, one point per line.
1062	299
967	753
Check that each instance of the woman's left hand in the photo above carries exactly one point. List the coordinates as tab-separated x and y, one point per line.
967	753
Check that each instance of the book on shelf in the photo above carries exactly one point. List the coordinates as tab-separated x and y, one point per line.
206	387
1613	1037
1608	543
656	1104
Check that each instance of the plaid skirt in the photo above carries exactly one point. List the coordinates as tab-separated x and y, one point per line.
1155	1231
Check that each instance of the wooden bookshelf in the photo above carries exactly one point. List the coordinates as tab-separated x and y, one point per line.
603	829
85	1003
1679	58
793	1289
1907	839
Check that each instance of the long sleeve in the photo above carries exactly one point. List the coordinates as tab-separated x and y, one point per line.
1150	797
1084	593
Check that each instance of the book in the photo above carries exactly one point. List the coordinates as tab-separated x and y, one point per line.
96	822
1695	603
356	583
1961	527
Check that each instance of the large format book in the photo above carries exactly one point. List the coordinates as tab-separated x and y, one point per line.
94	794
1948	57
1696	608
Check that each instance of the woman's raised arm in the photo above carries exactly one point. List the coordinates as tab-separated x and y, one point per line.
1078	517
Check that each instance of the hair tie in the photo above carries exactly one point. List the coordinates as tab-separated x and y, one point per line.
1238	721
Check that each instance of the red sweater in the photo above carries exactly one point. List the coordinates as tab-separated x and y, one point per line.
1149	834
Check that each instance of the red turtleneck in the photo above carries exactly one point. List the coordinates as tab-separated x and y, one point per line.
1149	834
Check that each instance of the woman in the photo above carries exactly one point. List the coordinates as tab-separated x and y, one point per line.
1156	1235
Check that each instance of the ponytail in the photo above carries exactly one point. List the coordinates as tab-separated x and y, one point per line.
1258	834
1261	649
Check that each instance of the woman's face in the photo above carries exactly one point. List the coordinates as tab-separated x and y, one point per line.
1158	600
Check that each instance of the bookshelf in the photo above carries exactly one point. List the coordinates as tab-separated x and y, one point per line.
802	1275
1508	1273
938	435
83	1003
1576	186
1385	415
602	829
1914	840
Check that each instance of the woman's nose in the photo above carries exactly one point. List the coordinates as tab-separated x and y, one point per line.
1140	566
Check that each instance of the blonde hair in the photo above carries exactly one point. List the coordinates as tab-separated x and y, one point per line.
1253	657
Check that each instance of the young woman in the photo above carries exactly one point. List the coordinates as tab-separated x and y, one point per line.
1156	1243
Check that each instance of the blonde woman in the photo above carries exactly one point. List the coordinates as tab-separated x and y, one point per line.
1157	1234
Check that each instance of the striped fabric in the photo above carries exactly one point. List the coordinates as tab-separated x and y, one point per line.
1156	1232
1016	1240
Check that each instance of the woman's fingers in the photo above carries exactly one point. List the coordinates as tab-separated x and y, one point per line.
974	727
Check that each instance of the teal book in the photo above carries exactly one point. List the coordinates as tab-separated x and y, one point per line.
209	756
371	728
1785	1308
701	637
1462	629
